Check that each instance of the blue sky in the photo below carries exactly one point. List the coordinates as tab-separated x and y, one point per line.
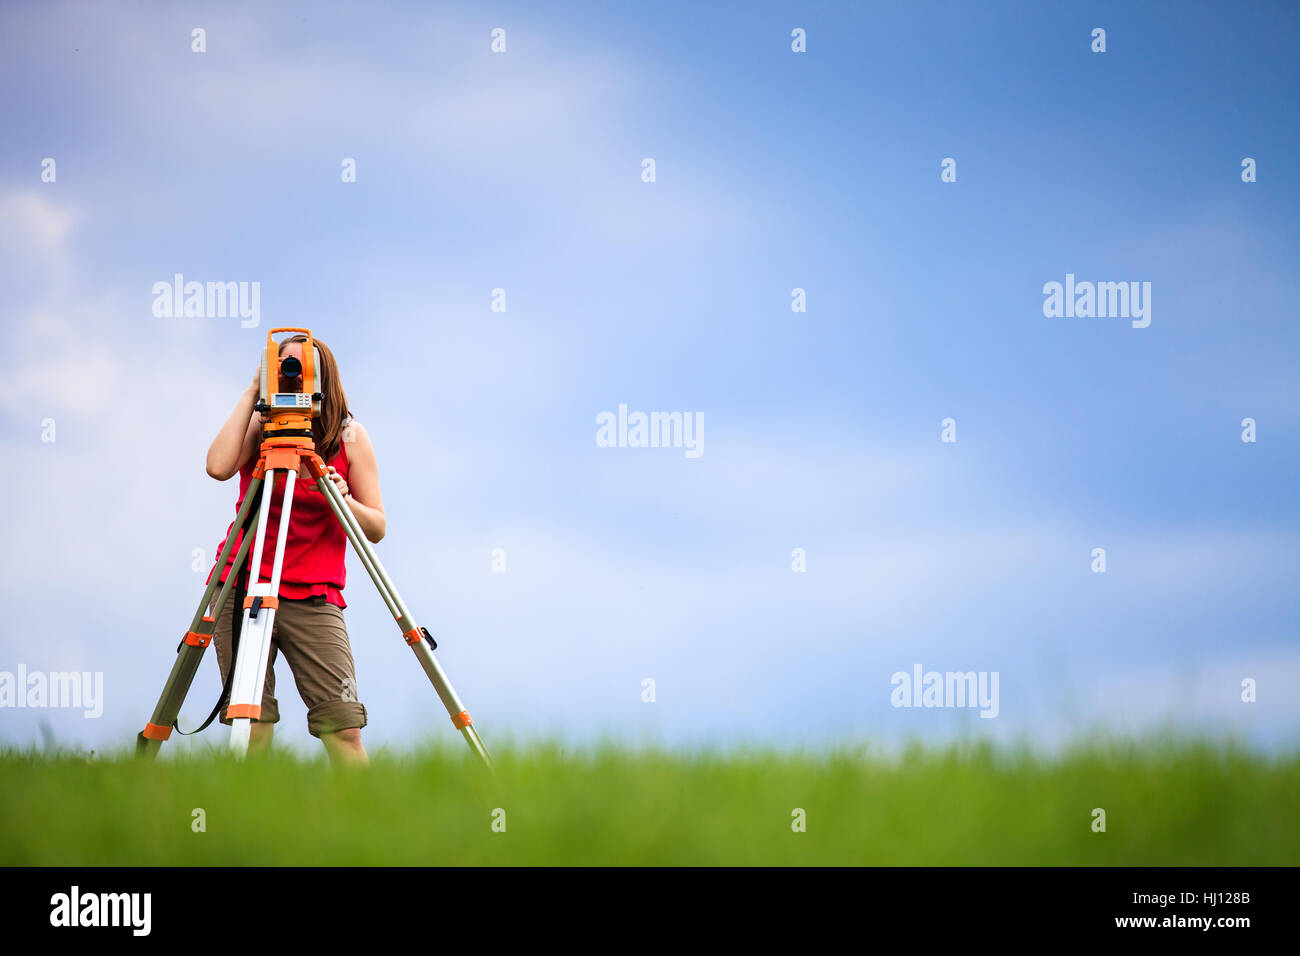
774	170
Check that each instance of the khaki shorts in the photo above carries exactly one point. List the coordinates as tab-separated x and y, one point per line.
314	640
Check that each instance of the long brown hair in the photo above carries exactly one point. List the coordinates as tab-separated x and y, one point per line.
327	427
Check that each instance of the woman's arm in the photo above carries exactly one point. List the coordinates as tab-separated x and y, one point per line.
361	489
239	436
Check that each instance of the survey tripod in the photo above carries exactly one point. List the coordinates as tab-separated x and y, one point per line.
287	445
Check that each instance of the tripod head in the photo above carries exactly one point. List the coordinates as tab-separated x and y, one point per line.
290	395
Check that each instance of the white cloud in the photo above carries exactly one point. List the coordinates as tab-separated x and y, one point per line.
33	218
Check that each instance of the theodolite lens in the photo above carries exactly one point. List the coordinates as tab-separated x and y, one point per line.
290	367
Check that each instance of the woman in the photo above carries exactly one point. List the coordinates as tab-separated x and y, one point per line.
309	628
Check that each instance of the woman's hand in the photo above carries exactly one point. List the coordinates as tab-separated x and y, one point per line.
239	436
340	482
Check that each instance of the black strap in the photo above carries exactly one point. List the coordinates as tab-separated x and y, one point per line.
237	621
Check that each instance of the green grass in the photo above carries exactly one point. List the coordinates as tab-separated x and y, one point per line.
1167	803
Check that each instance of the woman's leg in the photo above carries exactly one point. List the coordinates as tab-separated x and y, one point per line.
314	640
345	747
259	740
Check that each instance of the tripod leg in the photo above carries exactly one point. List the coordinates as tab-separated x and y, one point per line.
259	618
413	633
197	638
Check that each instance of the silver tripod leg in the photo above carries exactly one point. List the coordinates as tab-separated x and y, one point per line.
255	634
410	630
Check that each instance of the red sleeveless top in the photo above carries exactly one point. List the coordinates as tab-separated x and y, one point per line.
313	552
